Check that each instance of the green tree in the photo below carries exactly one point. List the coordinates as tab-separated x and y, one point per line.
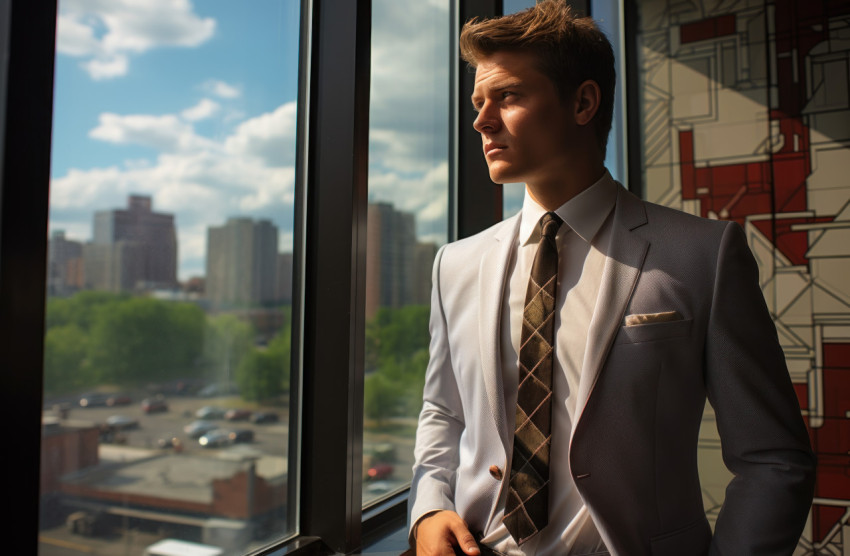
396	358
227	341
383	398
264	372
141	339
65	365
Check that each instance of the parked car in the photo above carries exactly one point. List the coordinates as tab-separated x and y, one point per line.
241	435
379	471
197	429
94	399
154	405
264	417
210	412
118	399
237	414
169	441
215	438
120	422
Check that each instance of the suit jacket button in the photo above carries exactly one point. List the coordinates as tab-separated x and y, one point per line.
496	472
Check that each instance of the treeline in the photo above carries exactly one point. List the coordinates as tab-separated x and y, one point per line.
99	338
396	358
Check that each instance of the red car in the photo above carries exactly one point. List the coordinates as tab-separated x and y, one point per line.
237	415
154	405
118	399
379	471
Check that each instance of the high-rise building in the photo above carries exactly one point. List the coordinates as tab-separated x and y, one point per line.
132	249
64	265
242	261
398	267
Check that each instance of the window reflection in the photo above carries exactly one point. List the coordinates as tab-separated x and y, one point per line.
168	325
407	222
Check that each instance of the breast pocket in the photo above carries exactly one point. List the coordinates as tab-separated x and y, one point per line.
654	332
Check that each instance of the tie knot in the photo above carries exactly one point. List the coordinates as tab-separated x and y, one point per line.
549	224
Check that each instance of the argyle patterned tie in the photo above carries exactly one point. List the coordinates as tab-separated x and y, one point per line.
527	507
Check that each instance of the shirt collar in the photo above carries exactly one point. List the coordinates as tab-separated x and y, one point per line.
584	214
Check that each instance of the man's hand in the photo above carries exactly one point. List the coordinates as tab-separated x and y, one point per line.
439	533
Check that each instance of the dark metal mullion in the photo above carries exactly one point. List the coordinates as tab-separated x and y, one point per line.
334	273
478	200
27	34
305	43
632	116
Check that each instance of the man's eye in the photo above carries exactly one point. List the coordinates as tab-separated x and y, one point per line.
506	94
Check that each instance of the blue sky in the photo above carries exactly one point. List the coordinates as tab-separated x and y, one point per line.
193	103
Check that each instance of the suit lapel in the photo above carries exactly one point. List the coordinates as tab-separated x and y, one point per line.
491	286
625	256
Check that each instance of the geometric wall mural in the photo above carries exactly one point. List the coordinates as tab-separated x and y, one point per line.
746	117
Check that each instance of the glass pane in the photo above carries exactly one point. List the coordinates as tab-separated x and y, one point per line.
407	222
169	283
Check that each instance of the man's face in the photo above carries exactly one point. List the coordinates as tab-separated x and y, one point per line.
526	130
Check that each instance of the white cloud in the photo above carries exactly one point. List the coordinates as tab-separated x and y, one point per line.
104	32
165	133
221	89
74	38
108	67
201	111
270	136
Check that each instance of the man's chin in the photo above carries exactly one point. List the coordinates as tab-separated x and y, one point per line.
501	177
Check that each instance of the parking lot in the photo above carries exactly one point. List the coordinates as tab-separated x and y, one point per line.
270	438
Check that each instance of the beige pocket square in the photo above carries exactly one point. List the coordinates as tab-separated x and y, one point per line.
651	318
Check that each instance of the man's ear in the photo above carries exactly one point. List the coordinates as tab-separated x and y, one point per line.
587	99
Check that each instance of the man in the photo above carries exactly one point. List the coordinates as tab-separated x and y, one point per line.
573	346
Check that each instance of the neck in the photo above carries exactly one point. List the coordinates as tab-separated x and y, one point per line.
552	194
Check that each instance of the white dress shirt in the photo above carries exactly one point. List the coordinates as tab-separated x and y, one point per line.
586	216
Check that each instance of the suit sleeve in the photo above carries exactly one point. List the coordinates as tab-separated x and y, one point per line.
764	440
440	422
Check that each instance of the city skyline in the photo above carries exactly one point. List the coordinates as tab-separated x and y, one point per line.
242	260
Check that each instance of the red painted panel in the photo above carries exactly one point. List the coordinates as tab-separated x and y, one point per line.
833	439
837	356
707	29
686	156
836	385
794	246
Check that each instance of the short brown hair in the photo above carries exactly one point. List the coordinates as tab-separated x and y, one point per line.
570	50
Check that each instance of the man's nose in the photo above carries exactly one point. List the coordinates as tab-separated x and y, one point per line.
487	119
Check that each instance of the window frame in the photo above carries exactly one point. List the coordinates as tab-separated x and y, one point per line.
27	37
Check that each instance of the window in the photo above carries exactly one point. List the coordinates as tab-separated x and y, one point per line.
407	221
169	286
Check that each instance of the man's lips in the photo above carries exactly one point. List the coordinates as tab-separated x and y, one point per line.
491	148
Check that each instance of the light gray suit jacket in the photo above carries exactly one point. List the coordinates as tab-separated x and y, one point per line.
633	448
